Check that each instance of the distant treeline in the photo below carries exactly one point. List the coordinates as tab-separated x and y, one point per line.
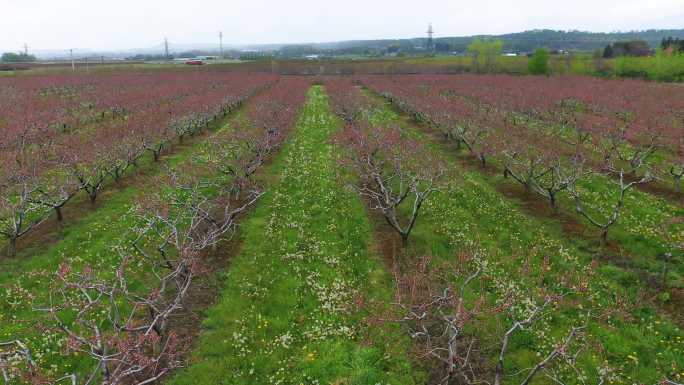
627	48
672	44
669	46
11	57
623	43
522	42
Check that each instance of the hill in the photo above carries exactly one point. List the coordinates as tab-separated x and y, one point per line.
514	42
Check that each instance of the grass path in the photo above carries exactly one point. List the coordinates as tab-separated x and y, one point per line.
290	313
470	213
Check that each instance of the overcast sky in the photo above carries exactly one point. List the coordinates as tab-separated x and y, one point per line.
120	24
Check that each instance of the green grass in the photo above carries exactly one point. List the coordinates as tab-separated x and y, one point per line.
469	213
288	314
659	67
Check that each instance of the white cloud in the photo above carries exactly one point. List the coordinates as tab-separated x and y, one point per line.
102	24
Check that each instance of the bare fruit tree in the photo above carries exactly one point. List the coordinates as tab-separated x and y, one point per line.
441	308
236	156
11	352
125	331
19	183
392	170
606	218
677	166
535	161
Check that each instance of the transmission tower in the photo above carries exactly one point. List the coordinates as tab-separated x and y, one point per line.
430	33
25	49
166	48
221	43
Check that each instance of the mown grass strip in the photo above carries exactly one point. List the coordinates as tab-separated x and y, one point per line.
289	313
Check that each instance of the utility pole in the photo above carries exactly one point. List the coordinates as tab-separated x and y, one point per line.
221	43
430	33
166	48
73	64
25	49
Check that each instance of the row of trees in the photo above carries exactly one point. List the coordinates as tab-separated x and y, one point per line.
553	144
610	138
646	115
464	317
396	173
673	44
11	57
107	318
445	307
121	321
60	139
627	48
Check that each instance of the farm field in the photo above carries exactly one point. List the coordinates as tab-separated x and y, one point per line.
203	226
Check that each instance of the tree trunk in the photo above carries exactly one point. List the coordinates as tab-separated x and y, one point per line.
499	371
554	204
92	194
12	247
663	282
58	211
117	174
404	240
